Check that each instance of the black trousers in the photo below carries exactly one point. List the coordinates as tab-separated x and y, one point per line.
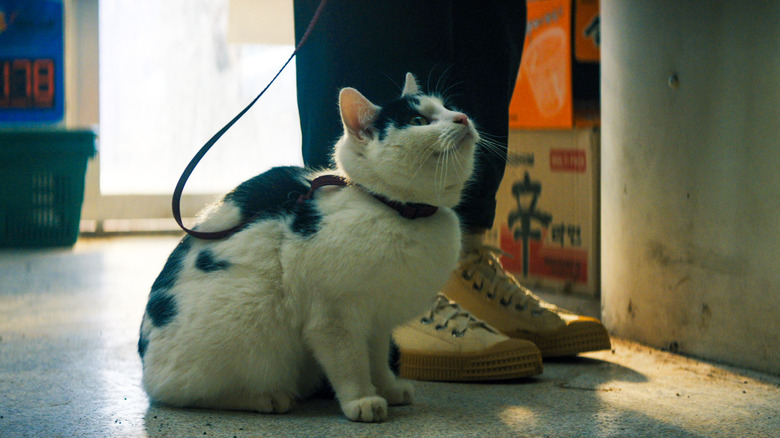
469	50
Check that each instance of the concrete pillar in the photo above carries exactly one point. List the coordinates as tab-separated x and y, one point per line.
691	177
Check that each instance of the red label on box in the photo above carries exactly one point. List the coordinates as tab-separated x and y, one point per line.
568	160
568	264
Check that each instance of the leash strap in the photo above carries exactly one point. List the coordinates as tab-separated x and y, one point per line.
324	180
176	202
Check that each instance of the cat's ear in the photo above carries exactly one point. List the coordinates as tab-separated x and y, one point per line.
410	85
357	113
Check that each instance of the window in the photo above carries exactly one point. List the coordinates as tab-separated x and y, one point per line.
170	79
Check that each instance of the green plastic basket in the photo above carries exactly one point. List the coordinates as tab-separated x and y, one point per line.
42	186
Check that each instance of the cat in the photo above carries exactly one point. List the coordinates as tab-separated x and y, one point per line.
314	284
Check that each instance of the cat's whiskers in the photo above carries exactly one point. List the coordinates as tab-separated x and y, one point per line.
442	180
443	81
448	143
421	163
439	151
492	145
441	163
456	159
445	95
446	156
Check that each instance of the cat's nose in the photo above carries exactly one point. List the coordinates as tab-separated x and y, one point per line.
461	119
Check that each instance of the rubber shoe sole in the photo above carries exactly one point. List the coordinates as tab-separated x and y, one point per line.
509	359
578	336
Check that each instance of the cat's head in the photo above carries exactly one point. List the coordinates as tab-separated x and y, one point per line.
413	149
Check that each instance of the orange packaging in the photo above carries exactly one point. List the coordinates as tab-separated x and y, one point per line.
586	31
543	91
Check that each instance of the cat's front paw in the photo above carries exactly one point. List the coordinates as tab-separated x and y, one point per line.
276	403
367	409
400	392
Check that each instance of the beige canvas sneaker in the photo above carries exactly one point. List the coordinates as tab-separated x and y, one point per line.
481	286
449	344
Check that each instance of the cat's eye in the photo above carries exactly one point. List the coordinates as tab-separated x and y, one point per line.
418	121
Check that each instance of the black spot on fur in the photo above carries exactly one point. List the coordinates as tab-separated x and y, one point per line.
275	193
269	194
306	220
161	307
143	343
397	114
207	263
170	271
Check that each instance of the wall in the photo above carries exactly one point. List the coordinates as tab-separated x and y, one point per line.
691	177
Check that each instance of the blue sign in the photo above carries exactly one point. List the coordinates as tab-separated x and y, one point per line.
32	86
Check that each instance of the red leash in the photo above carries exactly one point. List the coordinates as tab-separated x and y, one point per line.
176	203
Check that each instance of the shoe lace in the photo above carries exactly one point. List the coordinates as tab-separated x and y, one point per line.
447	311
483	269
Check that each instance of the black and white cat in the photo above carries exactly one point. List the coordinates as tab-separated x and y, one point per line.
314	285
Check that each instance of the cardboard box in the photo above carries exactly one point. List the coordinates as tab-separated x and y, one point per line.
547	216
557	86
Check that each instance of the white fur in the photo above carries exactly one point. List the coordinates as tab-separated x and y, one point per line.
290	308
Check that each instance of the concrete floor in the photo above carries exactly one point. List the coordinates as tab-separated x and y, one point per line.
68	367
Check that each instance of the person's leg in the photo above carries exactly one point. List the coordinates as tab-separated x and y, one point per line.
489	45
488	67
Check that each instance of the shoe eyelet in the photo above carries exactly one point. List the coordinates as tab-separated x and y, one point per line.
441	326
425	320
458	333
477	287
467	276
536	312
505	302
490	295
520	307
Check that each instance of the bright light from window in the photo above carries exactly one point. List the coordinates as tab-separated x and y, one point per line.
169	80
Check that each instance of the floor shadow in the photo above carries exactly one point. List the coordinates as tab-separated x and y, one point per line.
580	396
598	371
